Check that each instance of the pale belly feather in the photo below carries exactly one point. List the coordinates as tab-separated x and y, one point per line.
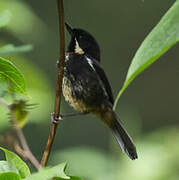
78	105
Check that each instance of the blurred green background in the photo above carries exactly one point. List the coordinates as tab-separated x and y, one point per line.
148	108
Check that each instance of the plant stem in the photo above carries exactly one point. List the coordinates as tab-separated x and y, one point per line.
27	152
26	149
59	85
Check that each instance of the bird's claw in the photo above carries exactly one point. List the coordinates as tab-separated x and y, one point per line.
54	119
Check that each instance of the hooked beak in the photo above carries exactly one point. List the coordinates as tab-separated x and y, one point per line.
69	29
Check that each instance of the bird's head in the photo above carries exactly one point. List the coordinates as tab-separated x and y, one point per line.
83	42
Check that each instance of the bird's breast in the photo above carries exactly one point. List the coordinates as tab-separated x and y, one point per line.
82	87
69	95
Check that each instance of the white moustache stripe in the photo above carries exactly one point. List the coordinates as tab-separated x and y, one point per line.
78	49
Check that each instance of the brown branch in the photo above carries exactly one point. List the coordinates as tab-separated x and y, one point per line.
27	152
59	85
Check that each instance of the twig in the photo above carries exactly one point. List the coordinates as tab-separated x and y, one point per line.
59	85
28	154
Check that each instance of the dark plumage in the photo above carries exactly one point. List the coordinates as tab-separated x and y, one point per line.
87	89
85	40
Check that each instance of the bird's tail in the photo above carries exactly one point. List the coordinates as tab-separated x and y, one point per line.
110	118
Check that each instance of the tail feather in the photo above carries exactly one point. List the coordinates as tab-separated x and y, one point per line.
125	141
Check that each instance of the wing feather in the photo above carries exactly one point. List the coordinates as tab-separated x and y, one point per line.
101	74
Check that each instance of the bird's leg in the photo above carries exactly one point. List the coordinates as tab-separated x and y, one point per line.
60	118
73	114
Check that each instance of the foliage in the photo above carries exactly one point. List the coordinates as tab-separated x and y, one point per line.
19	111
48	173
13	84
14	160
160	39
12	76
15	168
158	159
9	176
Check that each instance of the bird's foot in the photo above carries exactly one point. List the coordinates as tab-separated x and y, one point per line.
73	114
54	119
61	117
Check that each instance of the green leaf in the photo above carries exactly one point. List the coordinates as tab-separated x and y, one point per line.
3	87
11	49
48	173
71	178
4	18
75	178
160	39
39	88
7	167
9	176
17	162
19	111
82	160
15	78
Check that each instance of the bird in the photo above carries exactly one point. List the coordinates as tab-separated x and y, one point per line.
86	87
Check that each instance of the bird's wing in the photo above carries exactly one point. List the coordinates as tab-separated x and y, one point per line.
102	76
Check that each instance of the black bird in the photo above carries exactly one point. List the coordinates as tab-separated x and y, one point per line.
87	89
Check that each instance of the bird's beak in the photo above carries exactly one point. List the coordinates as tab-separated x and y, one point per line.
69	29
